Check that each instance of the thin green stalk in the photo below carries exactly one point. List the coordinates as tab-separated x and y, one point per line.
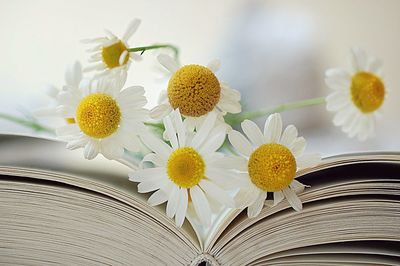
27	123
142	49
234	119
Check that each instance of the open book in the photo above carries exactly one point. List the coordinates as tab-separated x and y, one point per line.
57	208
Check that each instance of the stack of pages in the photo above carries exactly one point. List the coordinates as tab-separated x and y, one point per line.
57	208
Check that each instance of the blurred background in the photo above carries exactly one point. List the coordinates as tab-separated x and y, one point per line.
272	51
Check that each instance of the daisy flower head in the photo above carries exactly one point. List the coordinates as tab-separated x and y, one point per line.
105	118
358	95
269	161
196	91
110	53
73	79
183	173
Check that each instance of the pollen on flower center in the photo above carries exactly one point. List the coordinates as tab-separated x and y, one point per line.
185	167
367	91
98	115
272	167
194	89
112	53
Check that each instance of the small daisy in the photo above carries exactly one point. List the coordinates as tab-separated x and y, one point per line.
73	78
184	173
111	53
269	162
196	91
106	118
358	95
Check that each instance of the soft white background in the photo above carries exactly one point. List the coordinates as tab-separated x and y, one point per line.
273	51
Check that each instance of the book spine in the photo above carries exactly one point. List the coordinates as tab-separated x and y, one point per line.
205	257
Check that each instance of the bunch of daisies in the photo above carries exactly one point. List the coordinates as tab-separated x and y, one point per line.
186	168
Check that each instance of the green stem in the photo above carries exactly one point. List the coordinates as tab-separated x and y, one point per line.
27	123
235	119
155	46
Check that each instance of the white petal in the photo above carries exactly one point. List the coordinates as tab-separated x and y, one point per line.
148	174
247	196
78	143
229	106
344	115
231	162
337	79
149	186
358	59
201	205
226	179
240	143
255	209
229	93
173	201
253	132
293	199
157	198
160	111
180	128
73	74
214	65
156	145
297	186
216	193
278	197
66	111
215	140
168	62
273	128
91	150
298	147
153	158
111	149
202	134
308	160
171	133
129	141
182	207
131	29
289	135
337	100
122	57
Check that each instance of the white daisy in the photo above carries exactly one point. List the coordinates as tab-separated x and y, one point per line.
73	78
184	172
269	162
196	91
357	95
111	53
107	119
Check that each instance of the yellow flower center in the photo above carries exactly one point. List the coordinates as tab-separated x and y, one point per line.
367	91
112	53
185	167
194	89
272	167
98	115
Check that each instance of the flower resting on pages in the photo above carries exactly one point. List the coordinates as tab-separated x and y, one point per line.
270	161
183	172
